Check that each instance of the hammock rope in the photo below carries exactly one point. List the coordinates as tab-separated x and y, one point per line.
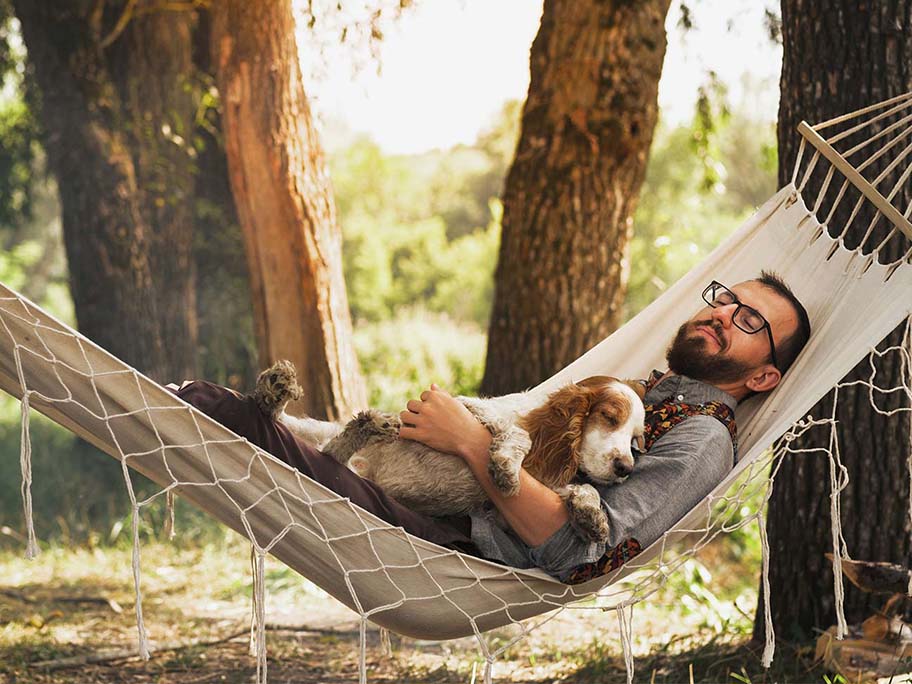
416	588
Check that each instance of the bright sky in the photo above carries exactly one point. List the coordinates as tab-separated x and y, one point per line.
449	65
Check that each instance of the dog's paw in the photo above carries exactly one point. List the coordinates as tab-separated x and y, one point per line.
276	386
508	449
586	515
504	472
359	465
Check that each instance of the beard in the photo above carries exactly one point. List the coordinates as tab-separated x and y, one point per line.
688	355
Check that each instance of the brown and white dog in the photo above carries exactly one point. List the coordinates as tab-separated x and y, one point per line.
584	427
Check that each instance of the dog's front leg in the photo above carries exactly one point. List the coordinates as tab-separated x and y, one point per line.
509	447
587	517
510	444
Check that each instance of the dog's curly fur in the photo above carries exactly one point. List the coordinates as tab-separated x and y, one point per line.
547	440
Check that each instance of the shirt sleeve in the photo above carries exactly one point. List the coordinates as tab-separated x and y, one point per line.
563	551
682	467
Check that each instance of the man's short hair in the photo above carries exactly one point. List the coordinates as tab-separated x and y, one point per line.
787	351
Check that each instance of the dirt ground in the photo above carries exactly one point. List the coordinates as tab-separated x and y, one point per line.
65	609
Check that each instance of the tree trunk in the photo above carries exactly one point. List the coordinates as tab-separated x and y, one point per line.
152	67
227	352
839	56
105	235
572	190
126	235
284	200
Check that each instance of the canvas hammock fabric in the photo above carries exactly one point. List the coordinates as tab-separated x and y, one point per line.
413	587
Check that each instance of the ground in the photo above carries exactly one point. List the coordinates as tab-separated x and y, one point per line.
196	605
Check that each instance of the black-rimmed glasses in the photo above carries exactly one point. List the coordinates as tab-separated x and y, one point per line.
745	317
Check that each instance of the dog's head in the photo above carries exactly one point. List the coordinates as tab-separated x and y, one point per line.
588	426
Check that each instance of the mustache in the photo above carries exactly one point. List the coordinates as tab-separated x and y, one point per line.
715	327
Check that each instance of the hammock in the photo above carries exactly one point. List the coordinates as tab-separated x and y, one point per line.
412	586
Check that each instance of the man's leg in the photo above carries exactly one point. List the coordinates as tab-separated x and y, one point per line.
241	415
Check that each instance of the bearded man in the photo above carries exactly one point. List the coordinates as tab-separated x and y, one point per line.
738	345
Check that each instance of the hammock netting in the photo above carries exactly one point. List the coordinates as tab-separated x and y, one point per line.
855	292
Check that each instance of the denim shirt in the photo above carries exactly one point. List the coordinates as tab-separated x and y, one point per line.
681	468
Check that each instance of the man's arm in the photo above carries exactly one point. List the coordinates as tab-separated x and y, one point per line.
443	423
680	469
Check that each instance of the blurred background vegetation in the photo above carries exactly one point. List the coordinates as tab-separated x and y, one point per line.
421	235
420	246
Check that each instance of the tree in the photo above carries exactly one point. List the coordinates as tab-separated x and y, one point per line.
572	190
284	201
840	56
115	108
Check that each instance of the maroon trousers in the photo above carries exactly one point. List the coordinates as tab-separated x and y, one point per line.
241	415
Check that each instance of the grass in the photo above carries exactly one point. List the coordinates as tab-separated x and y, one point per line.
193	596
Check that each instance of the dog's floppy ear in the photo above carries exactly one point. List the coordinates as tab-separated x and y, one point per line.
556	430
636	386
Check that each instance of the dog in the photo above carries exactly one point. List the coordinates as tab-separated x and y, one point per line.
584	428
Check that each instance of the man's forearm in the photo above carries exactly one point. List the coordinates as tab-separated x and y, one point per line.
535	513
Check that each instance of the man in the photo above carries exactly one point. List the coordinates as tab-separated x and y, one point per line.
739	344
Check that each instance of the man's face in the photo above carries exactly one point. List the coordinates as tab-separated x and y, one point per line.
711	348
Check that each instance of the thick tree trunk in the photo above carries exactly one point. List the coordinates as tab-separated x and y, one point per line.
572	190
105	233
152	68
284	200
227	352
839	56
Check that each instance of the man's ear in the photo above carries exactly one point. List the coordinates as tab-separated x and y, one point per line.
764	379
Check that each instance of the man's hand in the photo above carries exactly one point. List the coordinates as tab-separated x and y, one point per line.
443	423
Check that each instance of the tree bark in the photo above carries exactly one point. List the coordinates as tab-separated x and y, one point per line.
284	201
227	351
839	56
105	235
153	71
572	190
126	237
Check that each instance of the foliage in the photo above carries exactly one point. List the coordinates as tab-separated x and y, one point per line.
402	356
423	230
688	208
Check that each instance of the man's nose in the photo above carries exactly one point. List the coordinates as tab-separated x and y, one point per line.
724	314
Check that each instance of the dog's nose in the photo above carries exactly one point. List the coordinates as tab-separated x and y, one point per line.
622	469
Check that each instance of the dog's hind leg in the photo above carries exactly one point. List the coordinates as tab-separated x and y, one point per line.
275	387
316	433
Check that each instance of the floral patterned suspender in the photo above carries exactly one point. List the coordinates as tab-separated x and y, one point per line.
661	417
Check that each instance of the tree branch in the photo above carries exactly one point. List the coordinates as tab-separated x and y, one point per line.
120	25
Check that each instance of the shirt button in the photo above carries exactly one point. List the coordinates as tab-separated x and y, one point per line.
680	397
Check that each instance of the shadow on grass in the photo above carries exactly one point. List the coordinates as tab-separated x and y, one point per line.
710	662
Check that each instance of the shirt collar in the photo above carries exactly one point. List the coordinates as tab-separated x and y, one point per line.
687	391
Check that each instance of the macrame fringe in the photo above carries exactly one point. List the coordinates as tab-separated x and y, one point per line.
386	644
769	648
907	377
259	613
838	583
170	530
362	651
140	625
489	670
252	642
626	625
838	482
25	464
